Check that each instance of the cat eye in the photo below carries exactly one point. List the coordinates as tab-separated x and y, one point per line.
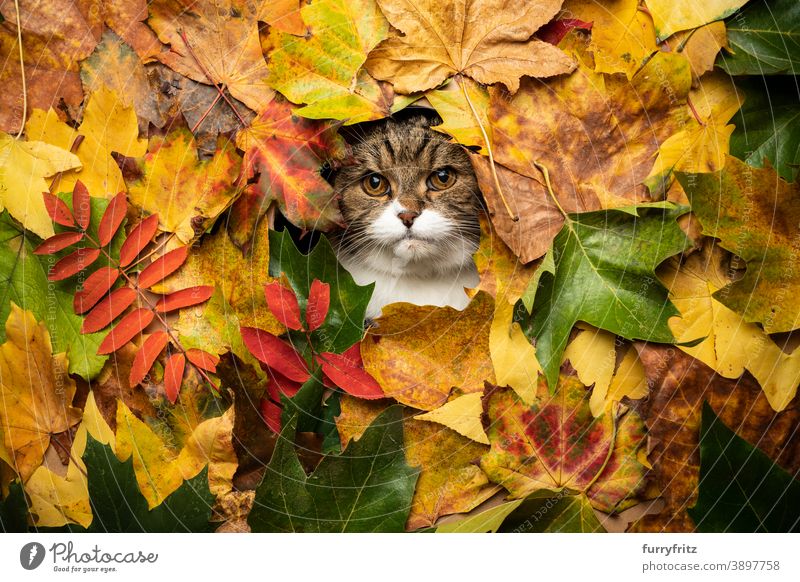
441	179
375	185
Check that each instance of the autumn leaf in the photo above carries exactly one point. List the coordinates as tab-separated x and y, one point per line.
601	271
623	37
754	214
670	17
623	122
462	414
729	344
282	15
410	340
458	120
215	42
56	35
286	153
188	194
23	169
486	40
557	444
35	408
700	46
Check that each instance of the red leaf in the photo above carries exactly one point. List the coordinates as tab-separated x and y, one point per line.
275	353
271	413
57	210
81	205
349	375
281	384
58	242
139	238
112	218
146	356
162	267
319	301
555	30
173	376
282	302
203	360
185	298
96	285
125	330
108	309
73	263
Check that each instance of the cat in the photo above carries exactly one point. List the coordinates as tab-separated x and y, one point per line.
410	202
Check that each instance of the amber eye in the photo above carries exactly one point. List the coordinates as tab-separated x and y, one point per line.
375	185
441	179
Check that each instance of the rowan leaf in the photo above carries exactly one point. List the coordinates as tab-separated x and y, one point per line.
670	17
57	210
202	359
173	376
146	356
188	297
186	193
739	206
411	340
601	270
555	444
141	235
112	219
286	153
108	310
58	242
487	40
729	344
763	39
125	330
368	488
214	42
162	267
303	69
741	488
73	263
107	127
23	169
283	305
96	286
35	407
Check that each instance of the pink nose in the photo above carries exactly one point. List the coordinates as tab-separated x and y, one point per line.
408	218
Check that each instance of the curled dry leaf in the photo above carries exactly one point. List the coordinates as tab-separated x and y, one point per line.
488	40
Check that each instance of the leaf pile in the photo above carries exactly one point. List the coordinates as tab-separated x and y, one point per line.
180	349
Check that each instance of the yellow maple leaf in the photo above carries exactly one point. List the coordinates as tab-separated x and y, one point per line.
108	126
23	169
488	40
670	16
463	415
35	391
730	345
705	140
623	36
700	46
458	120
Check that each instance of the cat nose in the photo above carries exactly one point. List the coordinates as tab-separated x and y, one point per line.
408	217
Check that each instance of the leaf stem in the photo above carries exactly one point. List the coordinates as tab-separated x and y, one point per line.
22	71
210	79
543	169
514	217
694	111
203	117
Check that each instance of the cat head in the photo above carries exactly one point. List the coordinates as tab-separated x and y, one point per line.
410	200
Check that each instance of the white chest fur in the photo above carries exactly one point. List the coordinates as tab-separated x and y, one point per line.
441	289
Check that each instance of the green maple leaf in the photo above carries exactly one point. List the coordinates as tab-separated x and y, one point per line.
741	488
600	270
368	488
119	506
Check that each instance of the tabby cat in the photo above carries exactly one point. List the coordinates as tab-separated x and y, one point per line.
410	202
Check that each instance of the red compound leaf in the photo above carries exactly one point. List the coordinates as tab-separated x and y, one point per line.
173	376
73	263
275	353
125	330
112	218
282	302
96	285
162	267
203	359
145	357
108	309
81	205
57	210
139	238
319	301
347	372
58	242
185	298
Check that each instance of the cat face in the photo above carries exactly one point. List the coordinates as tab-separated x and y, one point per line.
410	200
